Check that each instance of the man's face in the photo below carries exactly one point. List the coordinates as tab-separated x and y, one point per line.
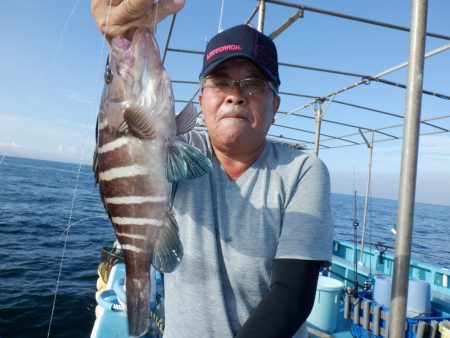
237	119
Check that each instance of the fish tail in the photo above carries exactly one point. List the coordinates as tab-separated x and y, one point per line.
138	300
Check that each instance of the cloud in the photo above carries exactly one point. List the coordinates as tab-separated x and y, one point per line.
59	140
438	145
9	145
82	99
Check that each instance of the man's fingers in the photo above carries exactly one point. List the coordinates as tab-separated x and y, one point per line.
134	9
168	7
126	15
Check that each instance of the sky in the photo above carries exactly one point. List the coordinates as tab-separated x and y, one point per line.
52	77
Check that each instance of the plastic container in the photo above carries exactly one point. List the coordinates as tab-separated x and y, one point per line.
419	298
444	328
419	295
324	315
382	290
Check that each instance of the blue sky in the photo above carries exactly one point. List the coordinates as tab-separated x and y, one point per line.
53	58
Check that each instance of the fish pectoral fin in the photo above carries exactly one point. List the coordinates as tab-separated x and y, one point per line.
139	123
186	119
185	162
168	251
176	168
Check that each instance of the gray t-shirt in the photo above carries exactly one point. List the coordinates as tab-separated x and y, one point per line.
233	230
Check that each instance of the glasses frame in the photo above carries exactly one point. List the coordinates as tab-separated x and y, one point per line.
240	83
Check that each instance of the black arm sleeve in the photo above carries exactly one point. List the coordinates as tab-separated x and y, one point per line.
288	303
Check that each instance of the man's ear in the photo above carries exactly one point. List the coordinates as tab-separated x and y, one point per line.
275	105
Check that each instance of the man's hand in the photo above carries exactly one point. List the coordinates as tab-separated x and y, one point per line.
126	15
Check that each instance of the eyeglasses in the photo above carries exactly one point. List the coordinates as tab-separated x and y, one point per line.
250	86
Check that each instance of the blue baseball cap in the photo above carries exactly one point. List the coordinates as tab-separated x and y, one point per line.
245	42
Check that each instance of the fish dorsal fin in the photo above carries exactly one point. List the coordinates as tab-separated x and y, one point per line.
186	119
168	251
185	162
139	122
95	166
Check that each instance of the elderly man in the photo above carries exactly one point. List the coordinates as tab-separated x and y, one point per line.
258	227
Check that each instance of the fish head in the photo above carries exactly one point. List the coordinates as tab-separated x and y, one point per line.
137	77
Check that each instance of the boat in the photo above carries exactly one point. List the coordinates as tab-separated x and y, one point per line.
341	287
367	291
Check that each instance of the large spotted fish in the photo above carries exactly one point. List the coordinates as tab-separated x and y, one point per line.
136	159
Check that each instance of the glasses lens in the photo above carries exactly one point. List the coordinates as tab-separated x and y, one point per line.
254	85
219	84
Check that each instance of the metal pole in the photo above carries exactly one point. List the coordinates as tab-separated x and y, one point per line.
286	24
169	34
318	116
363	235
408	170
262	11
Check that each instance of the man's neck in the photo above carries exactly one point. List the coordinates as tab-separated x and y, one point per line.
235	164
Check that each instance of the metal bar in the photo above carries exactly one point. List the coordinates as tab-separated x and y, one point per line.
323	70
252	15
311	132
185	82
169	34
424	121
261	14
378	141
281	137
366	80
362	76
341	124
286	24
369	175
353	18
408	170
318	114
401	85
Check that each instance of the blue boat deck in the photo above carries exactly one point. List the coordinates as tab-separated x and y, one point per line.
376	263
112	323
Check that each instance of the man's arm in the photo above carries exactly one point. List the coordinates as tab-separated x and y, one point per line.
288	302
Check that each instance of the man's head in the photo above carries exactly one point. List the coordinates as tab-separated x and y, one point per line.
245	42
239	83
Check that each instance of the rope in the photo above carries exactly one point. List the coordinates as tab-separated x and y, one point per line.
158	321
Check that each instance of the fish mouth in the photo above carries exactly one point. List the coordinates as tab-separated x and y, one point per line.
128	52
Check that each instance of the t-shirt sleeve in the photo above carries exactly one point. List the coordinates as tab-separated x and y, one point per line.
307	224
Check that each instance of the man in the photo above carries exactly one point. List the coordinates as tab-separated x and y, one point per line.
257	229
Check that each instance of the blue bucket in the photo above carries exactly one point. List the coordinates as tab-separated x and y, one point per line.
324	315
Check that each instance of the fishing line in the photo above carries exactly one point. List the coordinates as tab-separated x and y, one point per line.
220	29
156	16
66	230
41	77
99	65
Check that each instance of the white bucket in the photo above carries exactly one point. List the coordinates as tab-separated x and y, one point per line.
419	295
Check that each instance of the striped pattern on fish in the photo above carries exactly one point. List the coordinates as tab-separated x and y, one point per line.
136	160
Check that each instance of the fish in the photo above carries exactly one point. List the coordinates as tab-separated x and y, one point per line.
138	157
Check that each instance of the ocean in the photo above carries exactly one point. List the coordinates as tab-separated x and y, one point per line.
37	200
